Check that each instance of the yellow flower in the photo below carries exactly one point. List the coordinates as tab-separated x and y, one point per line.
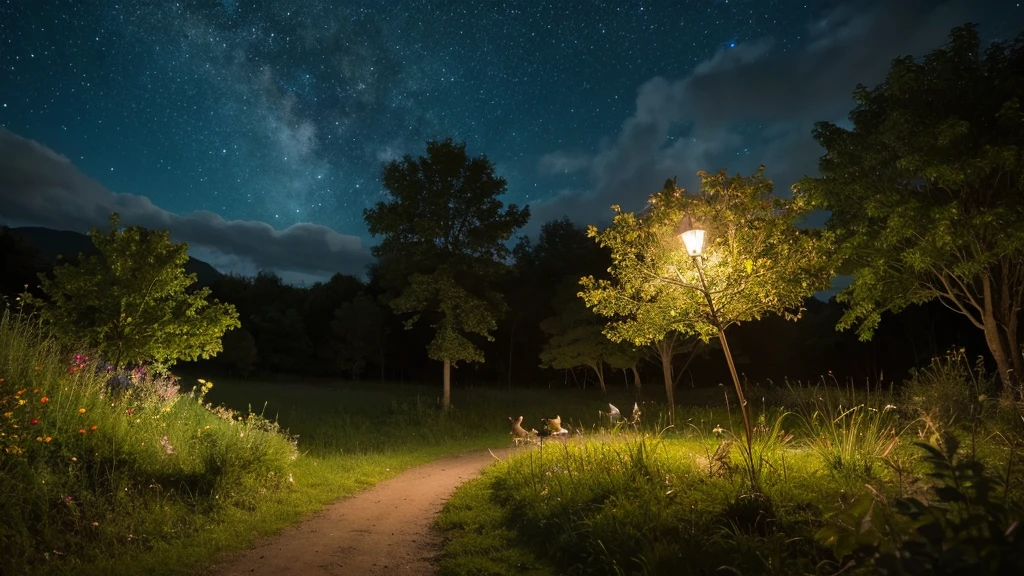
8	414
39	438
81	410
21	402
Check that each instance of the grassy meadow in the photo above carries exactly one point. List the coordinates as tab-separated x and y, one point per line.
104	473
927	479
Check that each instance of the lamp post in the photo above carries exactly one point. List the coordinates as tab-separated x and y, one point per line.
692	236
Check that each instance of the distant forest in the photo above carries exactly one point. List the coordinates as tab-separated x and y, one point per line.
341	329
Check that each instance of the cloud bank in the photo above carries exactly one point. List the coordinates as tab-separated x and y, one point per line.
39	187
748	105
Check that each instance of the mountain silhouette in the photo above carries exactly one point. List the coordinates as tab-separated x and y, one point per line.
52	246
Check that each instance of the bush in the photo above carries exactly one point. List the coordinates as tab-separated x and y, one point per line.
93	462
963	527
949	391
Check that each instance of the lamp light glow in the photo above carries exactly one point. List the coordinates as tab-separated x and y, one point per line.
694	241
692	236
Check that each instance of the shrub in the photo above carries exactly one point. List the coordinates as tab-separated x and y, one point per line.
963	528
949	390
92	460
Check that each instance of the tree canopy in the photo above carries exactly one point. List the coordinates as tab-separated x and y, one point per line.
444	231
755	261
925	191
576	338
132	301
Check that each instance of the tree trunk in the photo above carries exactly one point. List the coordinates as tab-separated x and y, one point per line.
666	373
637	383
599	369
446	399
995	338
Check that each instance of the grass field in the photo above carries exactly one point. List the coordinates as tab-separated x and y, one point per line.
162	476
841	482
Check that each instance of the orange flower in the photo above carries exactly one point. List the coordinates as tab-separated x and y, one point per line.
48	438
81	410
44	399
34	390
93	427
81	430
38	367
20	392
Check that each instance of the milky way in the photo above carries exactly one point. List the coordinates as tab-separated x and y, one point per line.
283	111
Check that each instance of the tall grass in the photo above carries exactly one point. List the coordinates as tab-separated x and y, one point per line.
683	502
93	468
852	430
645	504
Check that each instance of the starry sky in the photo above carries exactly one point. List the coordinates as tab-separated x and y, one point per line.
255	130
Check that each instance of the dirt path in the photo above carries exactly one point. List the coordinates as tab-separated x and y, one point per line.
386	529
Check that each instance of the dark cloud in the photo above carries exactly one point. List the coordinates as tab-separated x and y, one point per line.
752	104
42	188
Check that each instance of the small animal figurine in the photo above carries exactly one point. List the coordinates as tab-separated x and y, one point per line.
636	414
553	425
517	427
613	413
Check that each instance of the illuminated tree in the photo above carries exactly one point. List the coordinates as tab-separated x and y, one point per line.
132	301
755	261
926	191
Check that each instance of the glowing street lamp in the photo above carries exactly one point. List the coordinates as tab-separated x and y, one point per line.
692	236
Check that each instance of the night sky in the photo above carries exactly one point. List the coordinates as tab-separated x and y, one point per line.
256	131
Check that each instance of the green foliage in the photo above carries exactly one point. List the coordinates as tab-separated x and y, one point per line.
949	391
459	311
443	208
132	303
963	528
635	504
756	260
852	440
924	191
576	338
93	467
444	240
480	540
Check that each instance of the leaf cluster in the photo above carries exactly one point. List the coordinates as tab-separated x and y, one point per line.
756	260
924	190
133	302
964	528
445	233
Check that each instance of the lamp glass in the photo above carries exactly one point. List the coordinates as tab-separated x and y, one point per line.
693	239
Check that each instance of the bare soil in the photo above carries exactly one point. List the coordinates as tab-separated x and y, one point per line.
387	529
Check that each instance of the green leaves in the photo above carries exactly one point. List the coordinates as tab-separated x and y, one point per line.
132	302
458	312
925	190
444	240
756	261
